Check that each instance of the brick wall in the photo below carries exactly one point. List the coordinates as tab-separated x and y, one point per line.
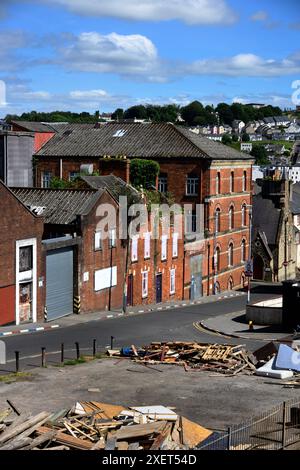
17	224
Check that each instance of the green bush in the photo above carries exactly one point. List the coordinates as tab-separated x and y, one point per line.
143	173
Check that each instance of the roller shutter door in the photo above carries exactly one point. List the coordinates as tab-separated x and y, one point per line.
59	283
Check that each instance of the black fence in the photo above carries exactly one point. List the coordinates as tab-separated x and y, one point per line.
275	429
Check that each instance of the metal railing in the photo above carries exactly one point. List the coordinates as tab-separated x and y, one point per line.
275	429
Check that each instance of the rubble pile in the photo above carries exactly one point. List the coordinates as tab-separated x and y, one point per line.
100	426
224	359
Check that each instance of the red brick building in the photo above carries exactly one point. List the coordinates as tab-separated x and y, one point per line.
194	169
86	265
21	264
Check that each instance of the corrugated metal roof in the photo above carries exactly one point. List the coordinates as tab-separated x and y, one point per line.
140	140
58	206
33	126
116	186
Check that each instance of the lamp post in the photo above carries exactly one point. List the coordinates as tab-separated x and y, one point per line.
250	263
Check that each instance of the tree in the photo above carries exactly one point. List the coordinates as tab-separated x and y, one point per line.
192	111
225	113
260	154
234	138
118	114
226	139
245	137
138	112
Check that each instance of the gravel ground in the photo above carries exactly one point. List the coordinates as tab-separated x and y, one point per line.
213	401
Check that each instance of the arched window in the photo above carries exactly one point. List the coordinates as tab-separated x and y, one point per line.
245	181
231	218
230	283
217	220
231	182
244	215
218	183
243	251
230	254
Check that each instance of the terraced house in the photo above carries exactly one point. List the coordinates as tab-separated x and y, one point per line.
193	169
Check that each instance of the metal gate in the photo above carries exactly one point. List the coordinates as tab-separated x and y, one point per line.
59	283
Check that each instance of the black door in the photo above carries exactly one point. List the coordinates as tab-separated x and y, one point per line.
158	288
130	290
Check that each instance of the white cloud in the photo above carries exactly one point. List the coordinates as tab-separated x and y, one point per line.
188	11
260	16
273	98
130	55
246	65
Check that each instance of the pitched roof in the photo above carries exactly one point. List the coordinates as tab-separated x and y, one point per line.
141	140
265	218
33	126
116	186
58	206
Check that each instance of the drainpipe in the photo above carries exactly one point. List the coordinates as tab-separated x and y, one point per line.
60	169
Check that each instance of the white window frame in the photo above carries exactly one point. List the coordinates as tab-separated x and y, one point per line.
231	218
147	247
98	241
217	220
145	279
172	281
134	248
218	183
192	182
48	180
244	181
163	184
230	254
175	245
231	189
164	247
244	215
30	276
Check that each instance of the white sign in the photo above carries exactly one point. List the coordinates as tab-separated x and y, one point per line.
105	278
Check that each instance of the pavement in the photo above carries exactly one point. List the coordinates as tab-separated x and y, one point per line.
235	325
73	319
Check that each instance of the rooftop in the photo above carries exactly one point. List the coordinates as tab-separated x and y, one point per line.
33	126
140	140
58	206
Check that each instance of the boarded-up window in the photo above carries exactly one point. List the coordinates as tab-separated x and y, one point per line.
164	240
175	245
98	244
25	259
105	278
144	284
134	249
147	245
172	281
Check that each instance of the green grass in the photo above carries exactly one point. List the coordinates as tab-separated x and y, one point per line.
15	377
83	360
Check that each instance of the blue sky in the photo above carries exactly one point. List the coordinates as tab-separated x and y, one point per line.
102	54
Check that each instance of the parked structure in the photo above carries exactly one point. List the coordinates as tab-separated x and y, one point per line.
193	169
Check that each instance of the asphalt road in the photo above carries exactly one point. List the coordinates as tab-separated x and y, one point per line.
139	329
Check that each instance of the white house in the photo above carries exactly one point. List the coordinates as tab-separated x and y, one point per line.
246	147
238	125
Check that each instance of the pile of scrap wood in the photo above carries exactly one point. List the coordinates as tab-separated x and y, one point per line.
100	426
221	358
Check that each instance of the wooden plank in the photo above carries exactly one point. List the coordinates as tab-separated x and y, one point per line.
48	436
63	438
122	445
110	443
16	430
140	430
17	443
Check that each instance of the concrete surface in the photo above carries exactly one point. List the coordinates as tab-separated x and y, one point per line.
213	400
268	312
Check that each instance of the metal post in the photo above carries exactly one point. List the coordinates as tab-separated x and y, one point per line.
77	351
250	252
215	250
110	284
17	354
285	251
94	348
62	354
43	357
229	438
112	342
283	424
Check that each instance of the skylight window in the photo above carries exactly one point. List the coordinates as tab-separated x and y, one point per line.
120	133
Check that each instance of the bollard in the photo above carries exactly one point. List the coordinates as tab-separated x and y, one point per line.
17	354
43	357
77	351
250	325
94	348
62	354
112	342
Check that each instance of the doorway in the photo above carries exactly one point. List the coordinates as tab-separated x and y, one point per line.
158	288
258	268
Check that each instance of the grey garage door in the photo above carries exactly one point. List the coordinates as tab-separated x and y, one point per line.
59	283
